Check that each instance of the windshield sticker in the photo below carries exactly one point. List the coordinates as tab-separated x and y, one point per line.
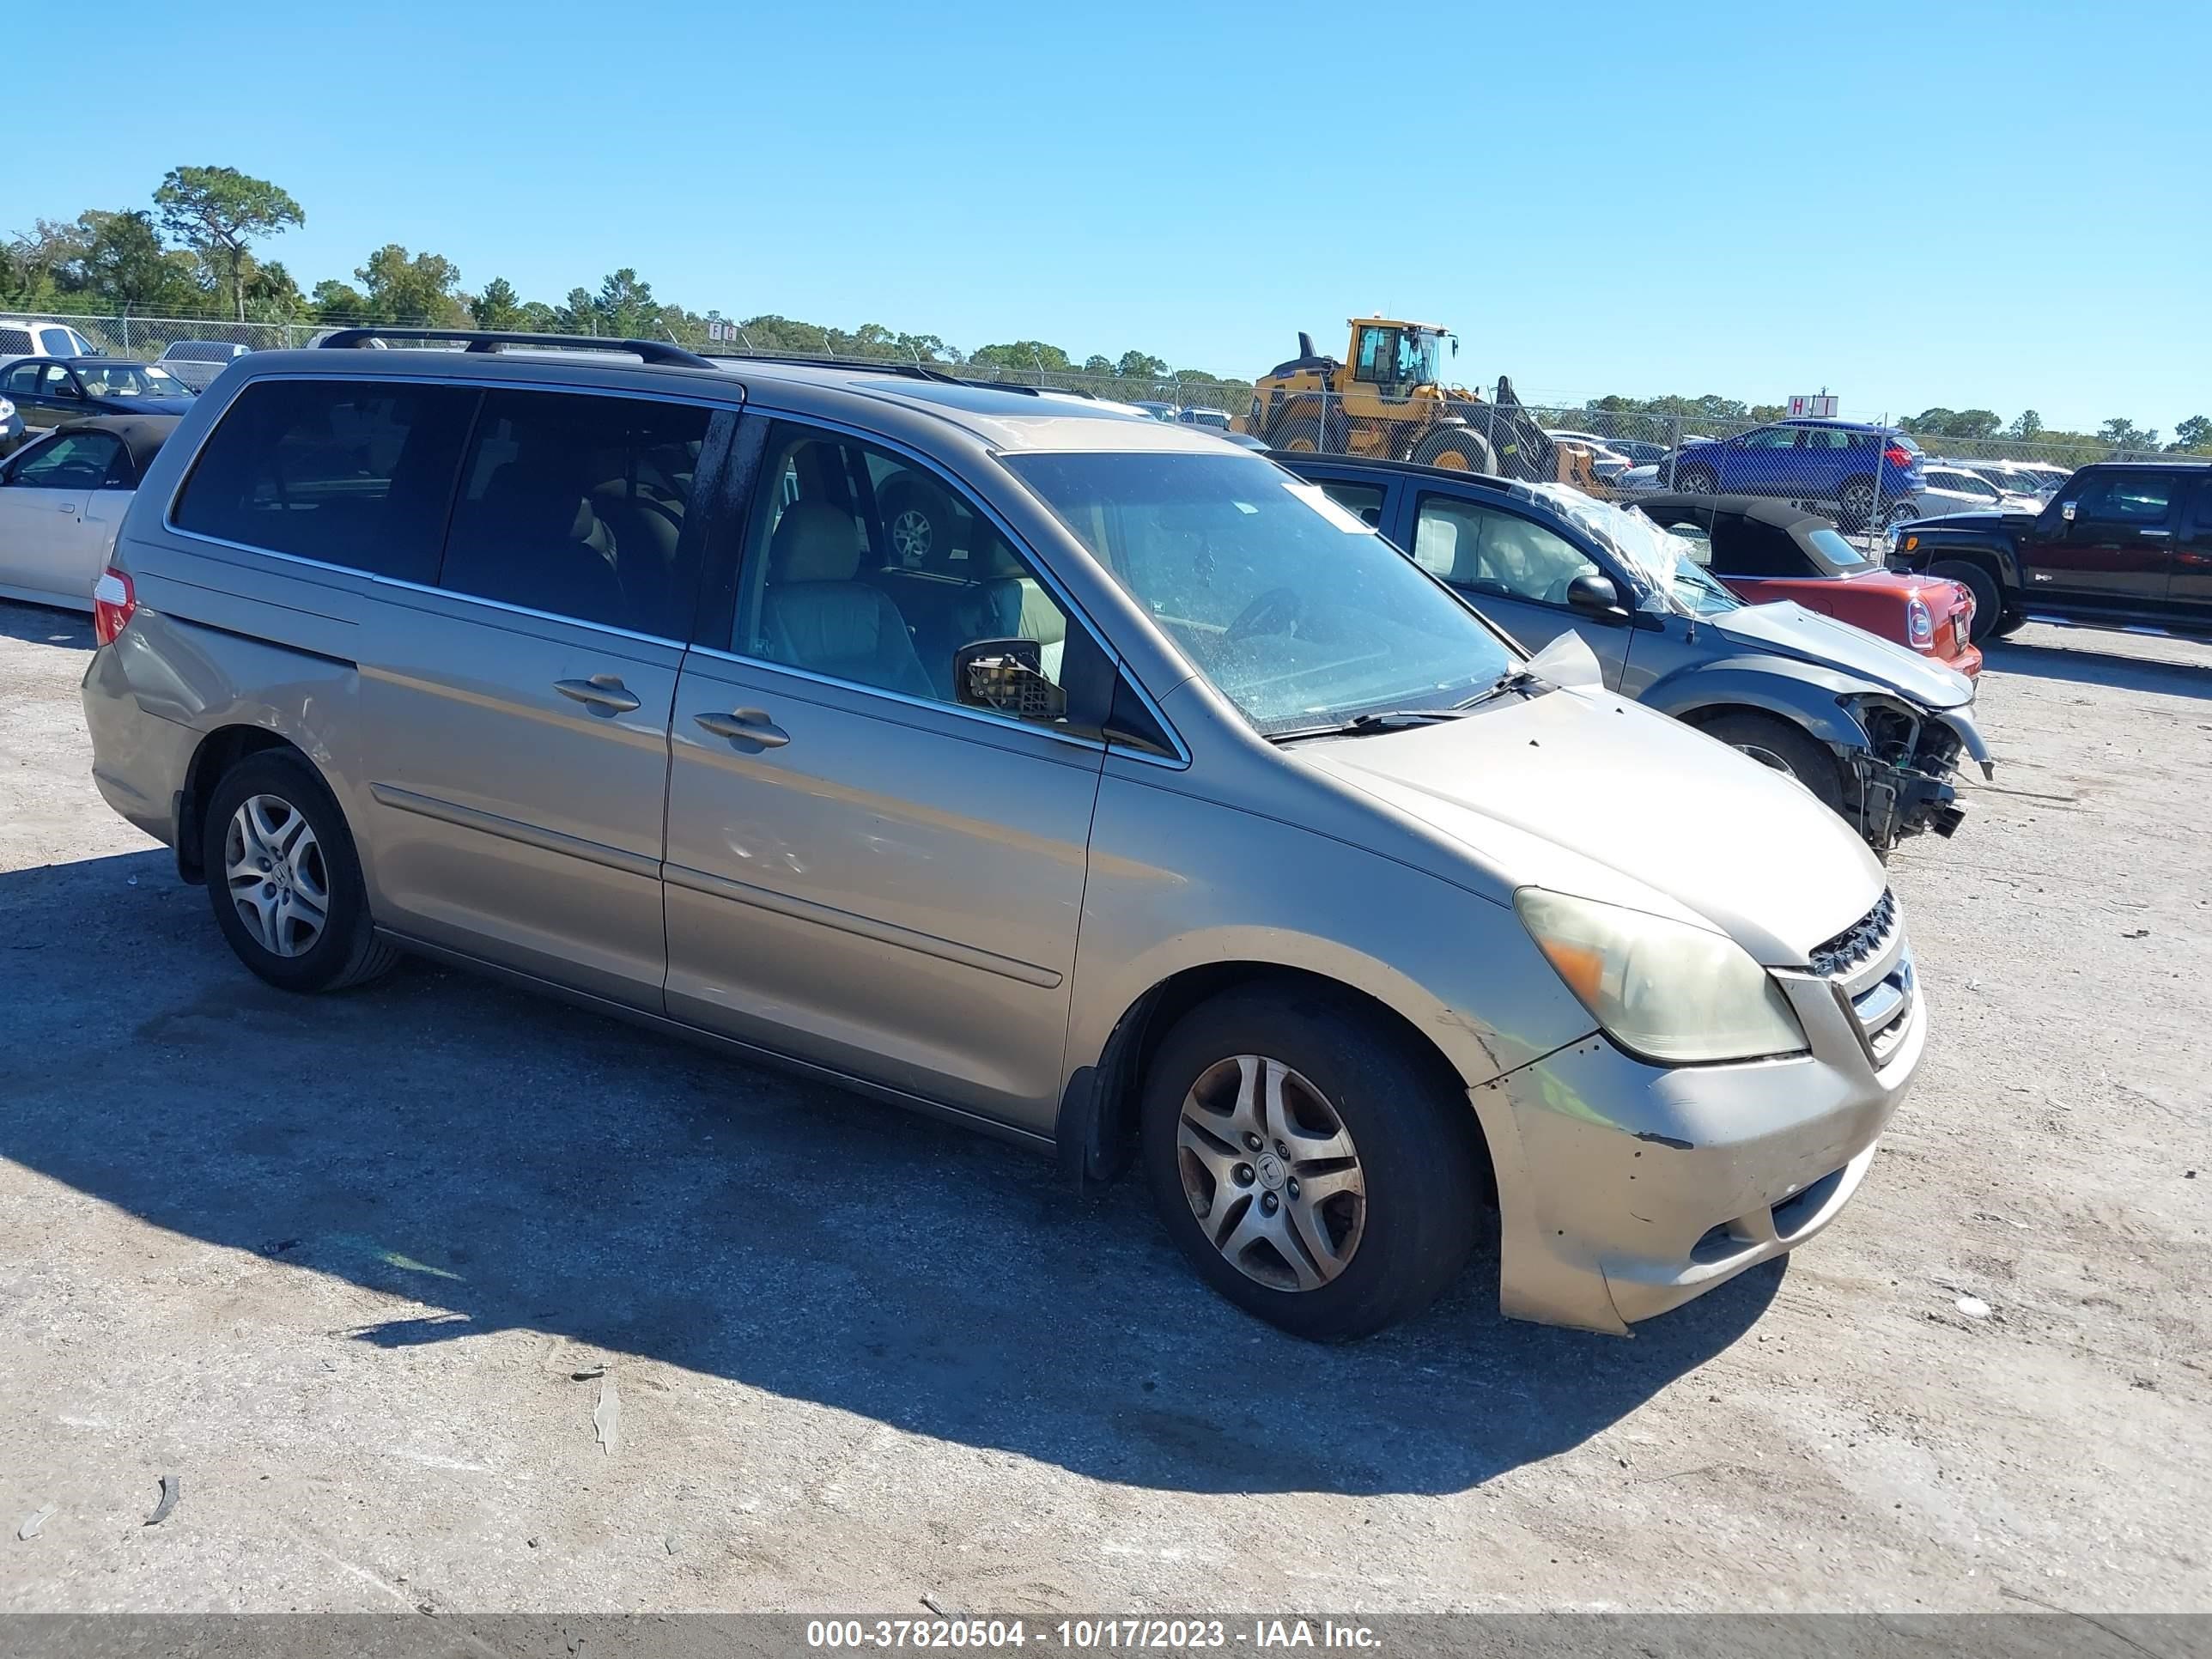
1328	507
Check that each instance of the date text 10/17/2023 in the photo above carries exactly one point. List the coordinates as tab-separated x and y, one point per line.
1132	1635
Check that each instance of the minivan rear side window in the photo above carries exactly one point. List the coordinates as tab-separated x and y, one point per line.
574	505
349	472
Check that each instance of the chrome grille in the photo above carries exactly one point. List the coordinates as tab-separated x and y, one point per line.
1861	942
1871	970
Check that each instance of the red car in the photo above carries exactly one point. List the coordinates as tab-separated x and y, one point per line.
1764	549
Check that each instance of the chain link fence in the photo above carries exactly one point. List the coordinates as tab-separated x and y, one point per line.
1866	476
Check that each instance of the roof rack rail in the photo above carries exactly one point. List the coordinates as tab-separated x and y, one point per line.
490	340
880	365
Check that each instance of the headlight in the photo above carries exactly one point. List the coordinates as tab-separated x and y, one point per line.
1664	990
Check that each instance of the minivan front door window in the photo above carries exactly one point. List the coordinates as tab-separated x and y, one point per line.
862	566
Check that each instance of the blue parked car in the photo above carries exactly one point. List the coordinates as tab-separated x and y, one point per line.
1863	476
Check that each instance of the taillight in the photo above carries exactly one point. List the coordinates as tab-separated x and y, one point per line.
1919	621
1898	455
114	601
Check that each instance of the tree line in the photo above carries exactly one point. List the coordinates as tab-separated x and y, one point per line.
194	252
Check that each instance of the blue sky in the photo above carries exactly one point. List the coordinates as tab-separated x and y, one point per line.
1995	206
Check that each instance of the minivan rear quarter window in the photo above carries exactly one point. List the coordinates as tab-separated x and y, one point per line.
348	472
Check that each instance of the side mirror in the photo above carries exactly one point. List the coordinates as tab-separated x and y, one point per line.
65	390
1007	675
1593	595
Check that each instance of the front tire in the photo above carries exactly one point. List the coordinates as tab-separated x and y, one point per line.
283	878
1989	603
1774	742
919	520
1311	1169
1456	448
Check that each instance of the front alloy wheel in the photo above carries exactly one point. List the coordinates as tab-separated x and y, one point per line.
274	867
1271	1173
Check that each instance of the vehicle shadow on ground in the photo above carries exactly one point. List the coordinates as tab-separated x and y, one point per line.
2085	665
512	1162
37	624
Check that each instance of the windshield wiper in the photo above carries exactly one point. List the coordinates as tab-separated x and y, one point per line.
1403	720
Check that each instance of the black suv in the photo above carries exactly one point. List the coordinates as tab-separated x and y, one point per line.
2123	544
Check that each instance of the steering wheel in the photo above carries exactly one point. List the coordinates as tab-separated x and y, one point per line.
1275	611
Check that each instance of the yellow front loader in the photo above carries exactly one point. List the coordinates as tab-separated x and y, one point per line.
1388	397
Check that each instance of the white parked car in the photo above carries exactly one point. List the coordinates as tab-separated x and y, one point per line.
40	337
62	499
1608	463
1953	488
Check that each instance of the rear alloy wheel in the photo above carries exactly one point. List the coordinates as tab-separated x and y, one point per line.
1310	1169
1855	504
1989	603
283	880
1786	747
1696	480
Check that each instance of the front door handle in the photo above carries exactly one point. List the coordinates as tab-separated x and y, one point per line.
604	694
750	724
66	506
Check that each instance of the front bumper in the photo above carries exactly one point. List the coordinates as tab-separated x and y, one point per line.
1904	776
1626	1189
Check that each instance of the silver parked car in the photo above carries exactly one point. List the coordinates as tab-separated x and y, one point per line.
1158	809
197	362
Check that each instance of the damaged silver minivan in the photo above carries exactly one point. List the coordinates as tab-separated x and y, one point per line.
1148	805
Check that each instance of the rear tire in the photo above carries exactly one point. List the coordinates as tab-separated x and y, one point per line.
1989	603
1299	433
1855	505
2007	625
1774	742
1352	1204
1457	448
284	880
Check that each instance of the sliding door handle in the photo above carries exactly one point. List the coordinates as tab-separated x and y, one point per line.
604	694
747	726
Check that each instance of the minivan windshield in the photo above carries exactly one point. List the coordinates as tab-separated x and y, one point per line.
1295	611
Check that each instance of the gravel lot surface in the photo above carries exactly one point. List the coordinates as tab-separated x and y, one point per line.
335	1265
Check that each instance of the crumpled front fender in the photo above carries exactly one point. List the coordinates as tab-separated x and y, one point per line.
1804	694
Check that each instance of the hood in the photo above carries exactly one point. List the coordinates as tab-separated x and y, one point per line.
144	406
1787	628
1582	793
1978	521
